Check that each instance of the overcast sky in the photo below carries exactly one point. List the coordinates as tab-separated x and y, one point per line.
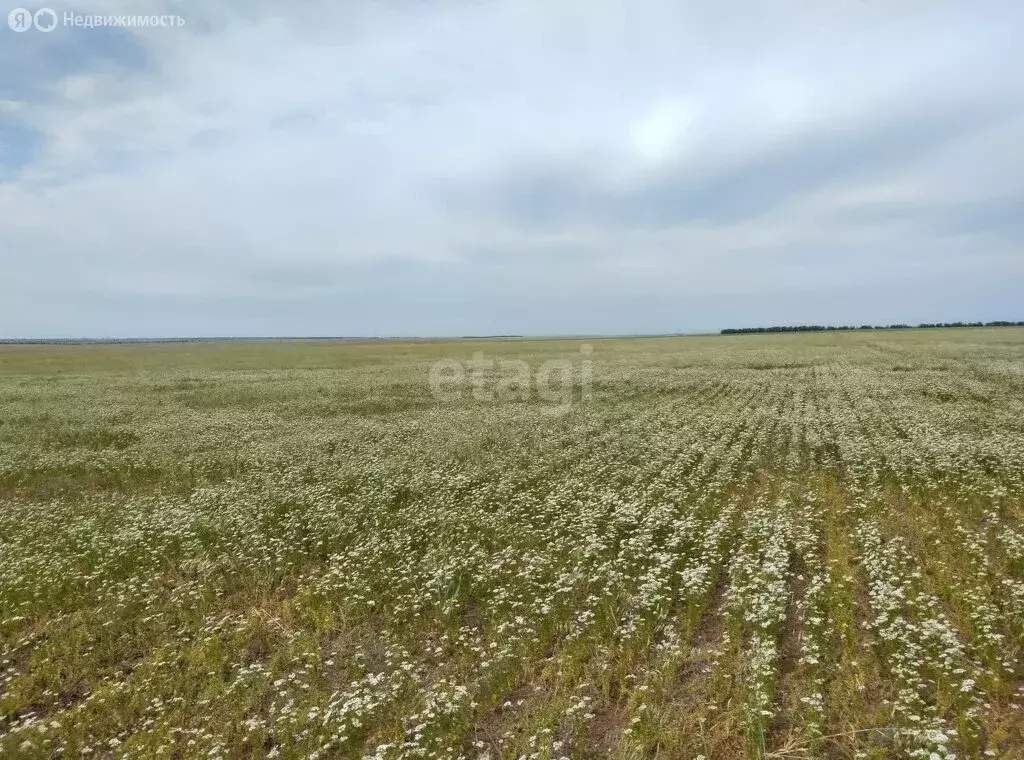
519	166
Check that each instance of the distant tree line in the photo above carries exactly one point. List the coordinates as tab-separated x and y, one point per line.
827	328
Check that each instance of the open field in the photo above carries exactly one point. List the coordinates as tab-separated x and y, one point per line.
724	547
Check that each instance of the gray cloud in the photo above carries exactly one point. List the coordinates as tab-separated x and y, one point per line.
736	188
513	167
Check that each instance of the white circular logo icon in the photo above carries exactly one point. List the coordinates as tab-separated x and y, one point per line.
20	20
45	19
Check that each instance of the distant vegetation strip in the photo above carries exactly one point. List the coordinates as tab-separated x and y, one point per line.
824	328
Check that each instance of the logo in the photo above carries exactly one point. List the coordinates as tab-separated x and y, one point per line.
45	19
21	19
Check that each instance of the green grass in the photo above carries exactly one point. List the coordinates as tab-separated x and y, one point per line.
793	545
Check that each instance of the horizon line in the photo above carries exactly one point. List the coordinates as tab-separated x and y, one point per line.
726	331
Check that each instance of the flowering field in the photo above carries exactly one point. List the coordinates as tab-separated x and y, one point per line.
789	546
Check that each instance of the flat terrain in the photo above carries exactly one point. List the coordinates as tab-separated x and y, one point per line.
786	546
